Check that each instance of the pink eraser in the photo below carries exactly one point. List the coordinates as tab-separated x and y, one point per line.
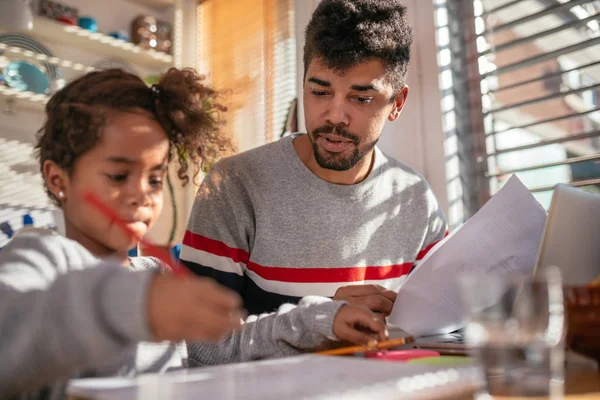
402	355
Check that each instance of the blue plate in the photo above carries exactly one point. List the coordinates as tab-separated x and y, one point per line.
27	43
24	76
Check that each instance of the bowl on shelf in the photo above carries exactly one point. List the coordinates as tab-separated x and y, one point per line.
583	319
25	42
24	76
88	23
121	35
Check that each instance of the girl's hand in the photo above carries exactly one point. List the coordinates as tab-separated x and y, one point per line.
192	308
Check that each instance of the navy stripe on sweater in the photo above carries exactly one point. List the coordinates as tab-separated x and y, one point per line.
256	300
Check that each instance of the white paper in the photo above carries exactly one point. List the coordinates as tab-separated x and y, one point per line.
310	376
503	237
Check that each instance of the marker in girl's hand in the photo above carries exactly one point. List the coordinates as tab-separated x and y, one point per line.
149	248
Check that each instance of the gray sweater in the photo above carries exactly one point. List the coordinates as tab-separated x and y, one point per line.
266	226
64	313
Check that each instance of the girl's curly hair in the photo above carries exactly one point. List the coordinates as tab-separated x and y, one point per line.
187	109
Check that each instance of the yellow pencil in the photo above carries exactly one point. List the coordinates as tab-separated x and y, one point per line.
376	346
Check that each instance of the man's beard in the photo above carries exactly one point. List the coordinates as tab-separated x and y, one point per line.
338	161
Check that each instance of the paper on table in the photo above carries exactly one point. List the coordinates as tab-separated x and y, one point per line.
303	377
502	237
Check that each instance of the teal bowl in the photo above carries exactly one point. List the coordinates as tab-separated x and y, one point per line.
23	76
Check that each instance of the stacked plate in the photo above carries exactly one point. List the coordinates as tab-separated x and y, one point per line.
22	75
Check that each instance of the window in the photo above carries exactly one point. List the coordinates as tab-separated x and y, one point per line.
247	48
520	81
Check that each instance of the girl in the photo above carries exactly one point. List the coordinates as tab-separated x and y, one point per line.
65	312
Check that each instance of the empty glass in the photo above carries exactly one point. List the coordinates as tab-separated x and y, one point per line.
515	325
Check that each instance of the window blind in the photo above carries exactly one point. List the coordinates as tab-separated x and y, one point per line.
535	66
247	48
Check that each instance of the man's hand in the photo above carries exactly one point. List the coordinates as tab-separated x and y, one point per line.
358	325
375	297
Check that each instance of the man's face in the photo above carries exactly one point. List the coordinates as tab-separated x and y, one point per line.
345	111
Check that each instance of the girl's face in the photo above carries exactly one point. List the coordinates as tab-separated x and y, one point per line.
125	170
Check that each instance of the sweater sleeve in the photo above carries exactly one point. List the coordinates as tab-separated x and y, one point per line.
437	227
55	321
288	331
220	233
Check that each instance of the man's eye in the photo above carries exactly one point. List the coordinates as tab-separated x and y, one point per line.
364	100
318	92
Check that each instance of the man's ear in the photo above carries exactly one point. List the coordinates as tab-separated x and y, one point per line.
398	104
57	180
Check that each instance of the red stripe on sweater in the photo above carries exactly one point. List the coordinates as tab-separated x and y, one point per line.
424	252
215	247
330	275
297	275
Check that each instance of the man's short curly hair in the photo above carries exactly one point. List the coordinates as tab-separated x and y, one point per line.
345	33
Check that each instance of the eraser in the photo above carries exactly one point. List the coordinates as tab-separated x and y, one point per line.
401	355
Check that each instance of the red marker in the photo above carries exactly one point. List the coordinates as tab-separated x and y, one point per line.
149	248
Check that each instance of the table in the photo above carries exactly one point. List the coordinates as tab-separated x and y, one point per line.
578	386
583	385
306	376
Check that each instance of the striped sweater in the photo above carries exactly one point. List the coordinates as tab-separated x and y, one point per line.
265	225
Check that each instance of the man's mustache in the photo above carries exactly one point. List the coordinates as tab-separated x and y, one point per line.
337	131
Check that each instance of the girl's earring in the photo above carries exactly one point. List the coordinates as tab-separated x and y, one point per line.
61	195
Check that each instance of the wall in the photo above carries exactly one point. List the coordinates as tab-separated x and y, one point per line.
416	138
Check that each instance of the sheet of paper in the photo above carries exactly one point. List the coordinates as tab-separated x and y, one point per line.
503	237
309	376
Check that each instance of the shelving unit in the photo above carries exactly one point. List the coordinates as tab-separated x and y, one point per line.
99	43
18	52
29	100
77	51
158	5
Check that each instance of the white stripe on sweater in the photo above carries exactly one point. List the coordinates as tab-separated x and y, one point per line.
223	264
301	289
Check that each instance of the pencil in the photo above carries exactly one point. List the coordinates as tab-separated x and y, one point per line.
150	249
359	349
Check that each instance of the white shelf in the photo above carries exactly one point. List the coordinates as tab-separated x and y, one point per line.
12	52
47	29
158	5
23	98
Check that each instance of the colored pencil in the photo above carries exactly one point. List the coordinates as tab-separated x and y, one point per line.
385	344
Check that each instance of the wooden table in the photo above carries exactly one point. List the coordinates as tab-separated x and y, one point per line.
578	386
584	385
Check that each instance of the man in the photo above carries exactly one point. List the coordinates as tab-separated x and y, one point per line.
324	213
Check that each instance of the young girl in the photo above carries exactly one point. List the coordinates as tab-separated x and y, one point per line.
77	305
